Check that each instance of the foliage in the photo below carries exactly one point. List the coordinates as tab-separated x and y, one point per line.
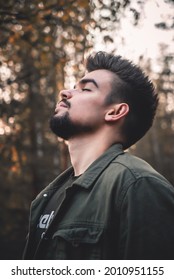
42	45
157	146
38	41
109	14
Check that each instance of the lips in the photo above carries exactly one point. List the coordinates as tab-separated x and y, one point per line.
63	103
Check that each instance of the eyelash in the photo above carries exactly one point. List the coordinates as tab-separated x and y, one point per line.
86	89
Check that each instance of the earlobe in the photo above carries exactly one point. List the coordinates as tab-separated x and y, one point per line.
117	112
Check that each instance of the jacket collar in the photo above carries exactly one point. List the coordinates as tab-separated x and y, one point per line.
98	166
87	179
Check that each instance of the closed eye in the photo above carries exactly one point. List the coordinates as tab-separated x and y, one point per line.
86	89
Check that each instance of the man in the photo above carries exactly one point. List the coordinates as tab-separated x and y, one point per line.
108	204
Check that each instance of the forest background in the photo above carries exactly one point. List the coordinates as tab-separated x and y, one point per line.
42	49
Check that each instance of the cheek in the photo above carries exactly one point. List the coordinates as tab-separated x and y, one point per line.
87	114
87	109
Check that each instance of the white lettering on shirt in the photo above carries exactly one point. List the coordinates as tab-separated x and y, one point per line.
45	220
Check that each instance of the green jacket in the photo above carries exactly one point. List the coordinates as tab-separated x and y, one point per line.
120	208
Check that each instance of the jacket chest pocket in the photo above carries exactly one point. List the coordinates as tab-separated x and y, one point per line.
78	243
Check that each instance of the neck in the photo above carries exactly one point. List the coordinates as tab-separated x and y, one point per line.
86	149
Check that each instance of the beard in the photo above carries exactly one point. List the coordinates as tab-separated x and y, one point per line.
64	128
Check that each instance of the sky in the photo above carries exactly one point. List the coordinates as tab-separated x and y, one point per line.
146	38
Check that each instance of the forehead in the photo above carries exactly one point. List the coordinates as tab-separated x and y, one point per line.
101	78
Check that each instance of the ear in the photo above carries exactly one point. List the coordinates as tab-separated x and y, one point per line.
117	112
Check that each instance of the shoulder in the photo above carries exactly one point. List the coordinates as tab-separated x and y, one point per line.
134	167
139	181
127	173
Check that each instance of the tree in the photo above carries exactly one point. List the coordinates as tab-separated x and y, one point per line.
38	41
157	146
42	46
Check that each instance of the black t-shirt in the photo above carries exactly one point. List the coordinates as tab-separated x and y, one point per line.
52	205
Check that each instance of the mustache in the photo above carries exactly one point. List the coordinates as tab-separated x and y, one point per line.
66	102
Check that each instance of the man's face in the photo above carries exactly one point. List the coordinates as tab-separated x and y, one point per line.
82	109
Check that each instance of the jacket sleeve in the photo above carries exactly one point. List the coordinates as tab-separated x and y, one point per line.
147	221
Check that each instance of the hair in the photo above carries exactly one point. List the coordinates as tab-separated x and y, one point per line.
130	86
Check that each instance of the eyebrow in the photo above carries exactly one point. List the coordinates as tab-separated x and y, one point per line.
85	81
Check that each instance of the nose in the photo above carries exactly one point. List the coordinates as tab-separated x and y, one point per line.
66	94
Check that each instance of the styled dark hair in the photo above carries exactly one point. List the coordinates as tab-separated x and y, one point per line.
131	86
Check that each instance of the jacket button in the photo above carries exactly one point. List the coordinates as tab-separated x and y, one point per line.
43	236
45	195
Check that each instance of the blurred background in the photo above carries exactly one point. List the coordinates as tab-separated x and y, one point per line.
42	49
